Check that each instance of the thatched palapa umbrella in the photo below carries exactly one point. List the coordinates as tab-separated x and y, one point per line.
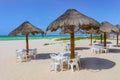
91	31
26	28
106	27
72	21
116	29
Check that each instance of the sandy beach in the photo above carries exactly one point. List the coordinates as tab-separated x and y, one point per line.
94	66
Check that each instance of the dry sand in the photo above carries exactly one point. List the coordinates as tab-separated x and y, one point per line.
94	66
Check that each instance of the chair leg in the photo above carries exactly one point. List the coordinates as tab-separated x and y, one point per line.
55	68
52	66
78	67
68	66
72	67
61	66
106	50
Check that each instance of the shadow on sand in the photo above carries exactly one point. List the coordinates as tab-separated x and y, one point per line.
115	45
113	50
43	56
96	63
108	42
82	48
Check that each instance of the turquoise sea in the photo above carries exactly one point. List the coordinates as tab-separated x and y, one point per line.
21	37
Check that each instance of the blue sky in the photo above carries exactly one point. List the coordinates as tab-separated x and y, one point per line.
42	12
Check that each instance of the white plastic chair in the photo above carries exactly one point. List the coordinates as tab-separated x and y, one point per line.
55	63
106	49
78	60
34	53
93	48
73	63
52	60
67	46
21	56
18	57
64	62
96	49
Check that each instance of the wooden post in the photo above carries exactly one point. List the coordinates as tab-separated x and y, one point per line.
105	39
27	45
72	47
101	39
117	39
90	38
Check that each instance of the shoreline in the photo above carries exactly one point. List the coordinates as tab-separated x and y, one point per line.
59	37
22	37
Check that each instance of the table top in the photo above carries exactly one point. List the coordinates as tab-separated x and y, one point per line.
24	50
63	56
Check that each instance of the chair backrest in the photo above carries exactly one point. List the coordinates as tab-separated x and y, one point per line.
108	46
21	55
78	57
53	59
52	55
34	51
72	61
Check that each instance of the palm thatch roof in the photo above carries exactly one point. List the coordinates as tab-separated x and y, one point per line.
91	31
72	21
26	28
118	27
73	18
107	27
115	29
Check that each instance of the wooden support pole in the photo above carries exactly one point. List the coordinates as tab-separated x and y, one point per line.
72	46
27	45
117	39
101	39
105	39
90	38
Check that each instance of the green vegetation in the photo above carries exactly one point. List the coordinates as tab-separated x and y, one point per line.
46	44
81	37
68	38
